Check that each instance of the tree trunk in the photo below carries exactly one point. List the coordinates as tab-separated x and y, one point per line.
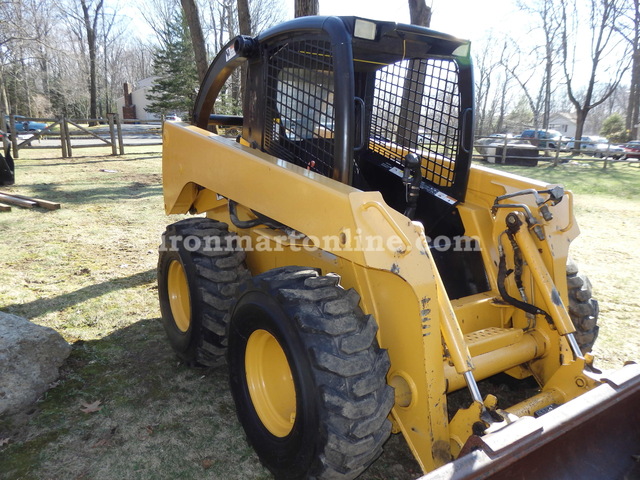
550	29
93	83
4	100
244	17
90	27
304	8
27	86
409	119
547	93
244	24
413	89
581	117
633	108
633	112
197	38
419	13
503	104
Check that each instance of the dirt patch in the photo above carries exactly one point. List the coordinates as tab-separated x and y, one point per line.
608	253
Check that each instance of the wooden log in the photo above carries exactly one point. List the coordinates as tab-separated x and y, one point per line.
4	208
19	202
39	202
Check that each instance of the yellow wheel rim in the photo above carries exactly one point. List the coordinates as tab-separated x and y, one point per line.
270	383
178	290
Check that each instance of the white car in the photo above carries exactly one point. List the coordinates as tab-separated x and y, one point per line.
172	118
598	147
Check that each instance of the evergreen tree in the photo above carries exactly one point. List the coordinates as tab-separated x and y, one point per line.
613	129
174	65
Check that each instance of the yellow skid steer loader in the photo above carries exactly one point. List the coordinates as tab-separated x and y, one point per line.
354	271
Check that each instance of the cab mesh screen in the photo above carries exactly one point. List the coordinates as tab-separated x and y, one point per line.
416	108
299	119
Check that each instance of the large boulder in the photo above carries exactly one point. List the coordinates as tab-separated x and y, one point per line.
30	356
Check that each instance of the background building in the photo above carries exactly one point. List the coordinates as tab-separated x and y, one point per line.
134	106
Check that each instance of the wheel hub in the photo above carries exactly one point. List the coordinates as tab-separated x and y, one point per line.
270	383
178	290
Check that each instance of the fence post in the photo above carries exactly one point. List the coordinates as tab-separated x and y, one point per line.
556	160
119	130
504	151
606	155
5	140
63	138
112	134
68	138
14	136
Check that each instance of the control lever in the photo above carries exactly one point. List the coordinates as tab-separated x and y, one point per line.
412	178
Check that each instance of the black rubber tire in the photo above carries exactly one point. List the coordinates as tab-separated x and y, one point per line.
342	399
583	308
213	276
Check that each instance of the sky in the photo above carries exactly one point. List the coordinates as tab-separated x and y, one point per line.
473	20
468	19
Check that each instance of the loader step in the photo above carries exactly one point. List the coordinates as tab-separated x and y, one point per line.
492	338
481	310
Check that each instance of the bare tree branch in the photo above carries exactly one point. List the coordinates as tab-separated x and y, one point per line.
604	16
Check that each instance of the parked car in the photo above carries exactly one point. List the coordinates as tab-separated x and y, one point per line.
597	146
542	138
172	117
502	135
518	152
631	149
23	125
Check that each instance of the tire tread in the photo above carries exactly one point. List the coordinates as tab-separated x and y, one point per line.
218	276
348	364
583	308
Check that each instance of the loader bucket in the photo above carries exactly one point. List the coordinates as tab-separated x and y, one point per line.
594	436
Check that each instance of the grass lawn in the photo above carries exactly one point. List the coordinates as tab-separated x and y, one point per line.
88	270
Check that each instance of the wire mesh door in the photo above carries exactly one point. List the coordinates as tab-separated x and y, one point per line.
416	108
299	117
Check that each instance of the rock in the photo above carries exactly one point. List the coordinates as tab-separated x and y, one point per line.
30	356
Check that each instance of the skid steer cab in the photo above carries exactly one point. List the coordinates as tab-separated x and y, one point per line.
359	277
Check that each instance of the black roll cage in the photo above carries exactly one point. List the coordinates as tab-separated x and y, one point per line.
340	32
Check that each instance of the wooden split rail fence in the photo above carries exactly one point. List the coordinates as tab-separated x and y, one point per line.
111	134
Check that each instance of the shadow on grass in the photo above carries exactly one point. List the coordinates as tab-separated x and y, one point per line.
133	190
82	160
45	305
156	420
149	404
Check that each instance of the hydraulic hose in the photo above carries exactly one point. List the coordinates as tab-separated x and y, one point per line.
502	276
